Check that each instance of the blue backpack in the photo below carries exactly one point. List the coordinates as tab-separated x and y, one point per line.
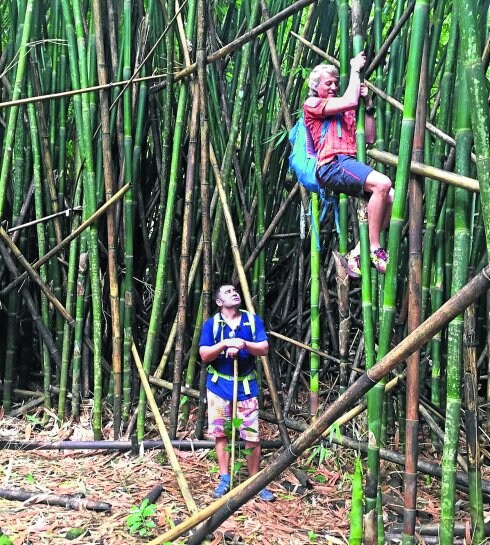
303	161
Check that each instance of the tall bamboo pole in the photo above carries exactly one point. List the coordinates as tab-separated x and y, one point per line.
414	315
111	218
455	330
204	307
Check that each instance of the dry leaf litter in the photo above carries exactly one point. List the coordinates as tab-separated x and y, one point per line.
319	516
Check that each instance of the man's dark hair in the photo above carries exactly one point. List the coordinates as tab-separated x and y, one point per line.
218	289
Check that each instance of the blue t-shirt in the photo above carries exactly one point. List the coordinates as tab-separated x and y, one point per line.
246	363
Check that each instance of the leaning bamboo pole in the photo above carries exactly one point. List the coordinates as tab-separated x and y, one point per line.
172	457
248	301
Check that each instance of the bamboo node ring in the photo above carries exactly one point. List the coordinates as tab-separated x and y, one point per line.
290	448
369	376
484	272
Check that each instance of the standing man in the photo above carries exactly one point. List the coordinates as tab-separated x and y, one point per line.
337	167
230	334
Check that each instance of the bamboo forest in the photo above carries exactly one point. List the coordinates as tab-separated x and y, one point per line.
144	162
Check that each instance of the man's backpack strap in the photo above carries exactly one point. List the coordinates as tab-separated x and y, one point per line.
250	322
218	321
325	127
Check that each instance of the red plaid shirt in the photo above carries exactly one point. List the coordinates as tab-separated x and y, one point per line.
341	136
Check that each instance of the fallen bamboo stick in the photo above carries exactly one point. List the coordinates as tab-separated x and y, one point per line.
154	493
460	529
424	466
64	500
122	445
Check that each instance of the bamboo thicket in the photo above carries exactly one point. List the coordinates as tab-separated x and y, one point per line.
144	161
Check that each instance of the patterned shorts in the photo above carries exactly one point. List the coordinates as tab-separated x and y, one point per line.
219	411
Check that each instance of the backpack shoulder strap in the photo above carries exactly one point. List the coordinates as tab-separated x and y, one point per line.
325	127
251	321
216	324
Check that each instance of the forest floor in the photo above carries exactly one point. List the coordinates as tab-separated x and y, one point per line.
318	515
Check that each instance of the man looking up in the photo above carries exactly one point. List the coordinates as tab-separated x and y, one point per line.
230	334
337	167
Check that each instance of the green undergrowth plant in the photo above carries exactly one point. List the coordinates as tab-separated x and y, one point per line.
139	520
242	452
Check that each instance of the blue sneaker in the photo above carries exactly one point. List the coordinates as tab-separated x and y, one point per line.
266	495
222	488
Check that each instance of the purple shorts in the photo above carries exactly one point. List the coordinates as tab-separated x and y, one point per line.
344	174
219	411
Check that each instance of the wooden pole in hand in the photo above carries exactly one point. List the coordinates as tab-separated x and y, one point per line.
233	418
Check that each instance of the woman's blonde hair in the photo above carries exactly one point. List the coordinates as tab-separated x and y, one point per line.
315	75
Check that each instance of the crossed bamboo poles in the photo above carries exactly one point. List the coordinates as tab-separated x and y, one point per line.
249	488
264	237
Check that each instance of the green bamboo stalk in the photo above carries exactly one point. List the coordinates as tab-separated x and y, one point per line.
127	285
14	111
314	302
344	24
449	240
79	76
432	187
437	295
66	352
41	243
391	77
14	303
184	266
477	90
420	21
81	282
455	329
375	397
161	279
